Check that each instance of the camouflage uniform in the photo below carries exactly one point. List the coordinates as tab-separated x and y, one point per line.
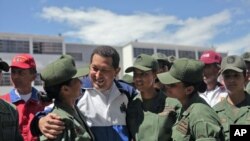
230	113
75	126
55	75
198	122
152	120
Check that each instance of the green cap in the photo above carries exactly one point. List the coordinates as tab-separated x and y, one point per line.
233	62
160	57
61	70
144	62
171	58
127	78
246	56
183	70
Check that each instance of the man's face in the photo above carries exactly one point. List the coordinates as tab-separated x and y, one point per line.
210	73
22	78
102	73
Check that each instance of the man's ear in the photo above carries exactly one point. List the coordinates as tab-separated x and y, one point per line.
117	71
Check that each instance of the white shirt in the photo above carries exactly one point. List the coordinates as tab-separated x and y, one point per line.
214	96
25	97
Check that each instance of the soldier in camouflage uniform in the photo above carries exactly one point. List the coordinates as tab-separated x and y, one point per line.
61	82
8	116
151	114
235	108
197	121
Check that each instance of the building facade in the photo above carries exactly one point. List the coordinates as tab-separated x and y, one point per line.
46	49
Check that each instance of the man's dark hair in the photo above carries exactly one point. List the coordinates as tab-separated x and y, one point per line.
107	51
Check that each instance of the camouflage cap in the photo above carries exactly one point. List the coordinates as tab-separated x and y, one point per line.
160	56
144	62
183	70
61	70
233	62
246	56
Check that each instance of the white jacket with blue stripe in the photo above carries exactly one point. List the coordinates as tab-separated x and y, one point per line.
106	113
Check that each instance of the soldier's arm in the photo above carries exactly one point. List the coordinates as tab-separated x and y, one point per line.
49	125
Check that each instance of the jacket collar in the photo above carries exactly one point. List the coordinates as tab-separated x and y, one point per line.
15	98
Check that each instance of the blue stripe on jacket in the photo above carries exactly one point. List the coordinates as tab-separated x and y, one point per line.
111	133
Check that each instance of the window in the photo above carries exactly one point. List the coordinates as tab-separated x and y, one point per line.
14	46
167	52
76	56
47	48
199	54
187	54
138	51
5	79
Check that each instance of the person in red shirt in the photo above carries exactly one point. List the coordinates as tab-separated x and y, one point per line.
24	95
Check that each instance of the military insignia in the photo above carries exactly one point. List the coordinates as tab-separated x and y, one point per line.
123	108
230	60
171	58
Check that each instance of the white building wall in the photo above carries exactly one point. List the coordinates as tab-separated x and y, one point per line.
127	55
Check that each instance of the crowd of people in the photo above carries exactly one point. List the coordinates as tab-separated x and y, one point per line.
161	98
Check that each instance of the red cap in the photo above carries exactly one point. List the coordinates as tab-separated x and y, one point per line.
210	56
23	61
